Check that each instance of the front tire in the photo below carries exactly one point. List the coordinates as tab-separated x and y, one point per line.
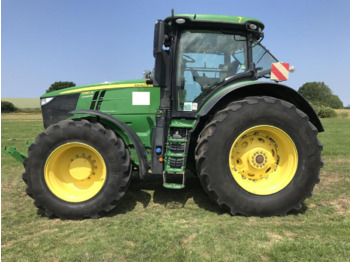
77	169
267	157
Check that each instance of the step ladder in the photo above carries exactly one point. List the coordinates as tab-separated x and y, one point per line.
175	156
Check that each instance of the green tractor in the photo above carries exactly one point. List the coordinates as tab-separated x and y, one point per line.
253	144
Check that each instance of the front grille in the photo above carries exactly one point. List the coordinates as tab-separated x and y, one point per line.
58	109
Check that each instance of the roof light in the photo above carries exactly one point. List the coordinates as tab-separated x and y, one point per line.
253	26
180	21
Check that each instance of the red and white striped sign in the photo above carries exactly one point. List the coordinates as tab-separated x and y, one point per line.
279	71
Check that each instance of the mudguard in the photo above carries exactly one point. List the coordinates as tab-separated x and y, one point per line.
245	89
133	137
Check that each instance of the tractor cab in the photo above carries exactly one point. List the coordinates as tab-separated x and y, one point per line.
199	54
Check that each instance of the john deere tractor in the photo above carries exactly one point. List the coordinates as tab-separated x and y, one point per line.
252	143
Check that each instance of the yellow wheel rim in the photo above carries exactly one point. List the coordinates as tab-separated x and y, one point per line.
75	172
263	160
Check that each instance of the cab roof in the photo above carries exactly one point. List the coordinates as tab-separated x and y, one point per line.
216	19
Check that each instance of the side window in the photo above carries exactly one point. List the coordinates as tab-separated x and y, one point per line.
201	71
204	60
262	58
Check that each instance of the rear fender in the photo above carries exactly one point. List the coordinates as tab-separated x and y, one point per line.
124	131
240	91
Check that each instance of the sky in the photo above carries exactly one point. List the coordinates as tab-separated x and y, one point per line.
92	41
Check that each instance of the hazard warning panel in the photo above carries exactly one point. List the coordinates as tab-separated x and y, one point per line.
279	71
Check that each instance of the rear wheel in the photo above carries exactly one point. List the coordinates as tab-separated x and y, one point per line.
77	169
267	157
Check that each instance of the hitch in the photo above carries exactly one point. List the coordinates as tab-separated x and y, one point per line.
11	151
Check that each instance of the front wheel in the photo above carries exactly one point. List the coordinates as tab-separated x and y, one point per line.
267	157
77	169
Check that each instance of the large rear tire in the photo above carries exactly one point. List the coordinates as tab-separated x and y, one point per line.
77	169
267	157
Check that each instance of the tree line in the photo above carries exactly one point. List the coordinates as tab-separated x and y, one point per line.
321	98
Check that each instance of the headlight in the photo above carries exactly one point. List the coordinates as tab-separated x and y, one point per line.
44	101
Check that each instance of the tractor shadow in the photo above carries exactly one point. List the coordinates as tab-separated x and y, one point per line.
151	190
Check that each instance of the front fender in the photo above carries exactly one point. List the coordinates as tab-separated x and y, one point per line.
130	133
241	90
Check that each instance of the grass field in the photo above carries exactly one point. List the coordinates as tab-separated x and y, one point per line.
156	224
23	102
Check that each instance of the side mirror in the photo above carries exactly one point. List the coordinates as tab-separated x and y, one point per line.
160	36
162	57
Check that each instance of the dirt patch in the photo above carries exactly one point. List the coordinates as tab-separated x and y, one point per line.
289	235
342	161
329	178
131	244
188	239
7	244
274	238
342	206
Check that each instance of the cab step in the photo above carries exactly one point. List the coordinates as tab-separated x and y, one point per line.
172	185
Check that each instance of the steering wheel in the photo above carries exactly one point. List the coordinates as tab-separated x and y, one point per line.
191	59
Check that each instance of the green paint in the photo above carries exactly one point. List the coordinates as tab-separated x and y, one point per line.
135	106
234	86
173	186
183	123
11	151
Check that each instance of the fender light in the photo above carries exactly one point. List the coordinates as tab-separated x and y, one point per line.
44	101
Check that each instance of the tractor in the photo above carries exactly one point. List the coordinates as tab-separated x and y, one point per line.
213	105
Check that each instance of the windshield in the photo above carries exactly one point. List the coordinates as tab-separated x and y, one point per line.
262	57
205	59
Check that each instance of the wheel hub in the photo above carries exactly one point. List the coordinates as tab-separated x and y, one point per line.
258	159
80	168
263	160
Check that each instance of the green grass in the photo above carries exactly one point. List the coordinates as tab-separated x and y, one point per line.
23	102
152	223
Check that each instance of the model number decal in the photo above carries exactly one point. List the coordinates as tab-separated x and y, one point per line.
87	93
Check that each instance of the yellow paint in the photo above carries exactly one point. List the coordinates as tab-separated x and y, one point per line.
263	160
105	87
87	93
75	172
